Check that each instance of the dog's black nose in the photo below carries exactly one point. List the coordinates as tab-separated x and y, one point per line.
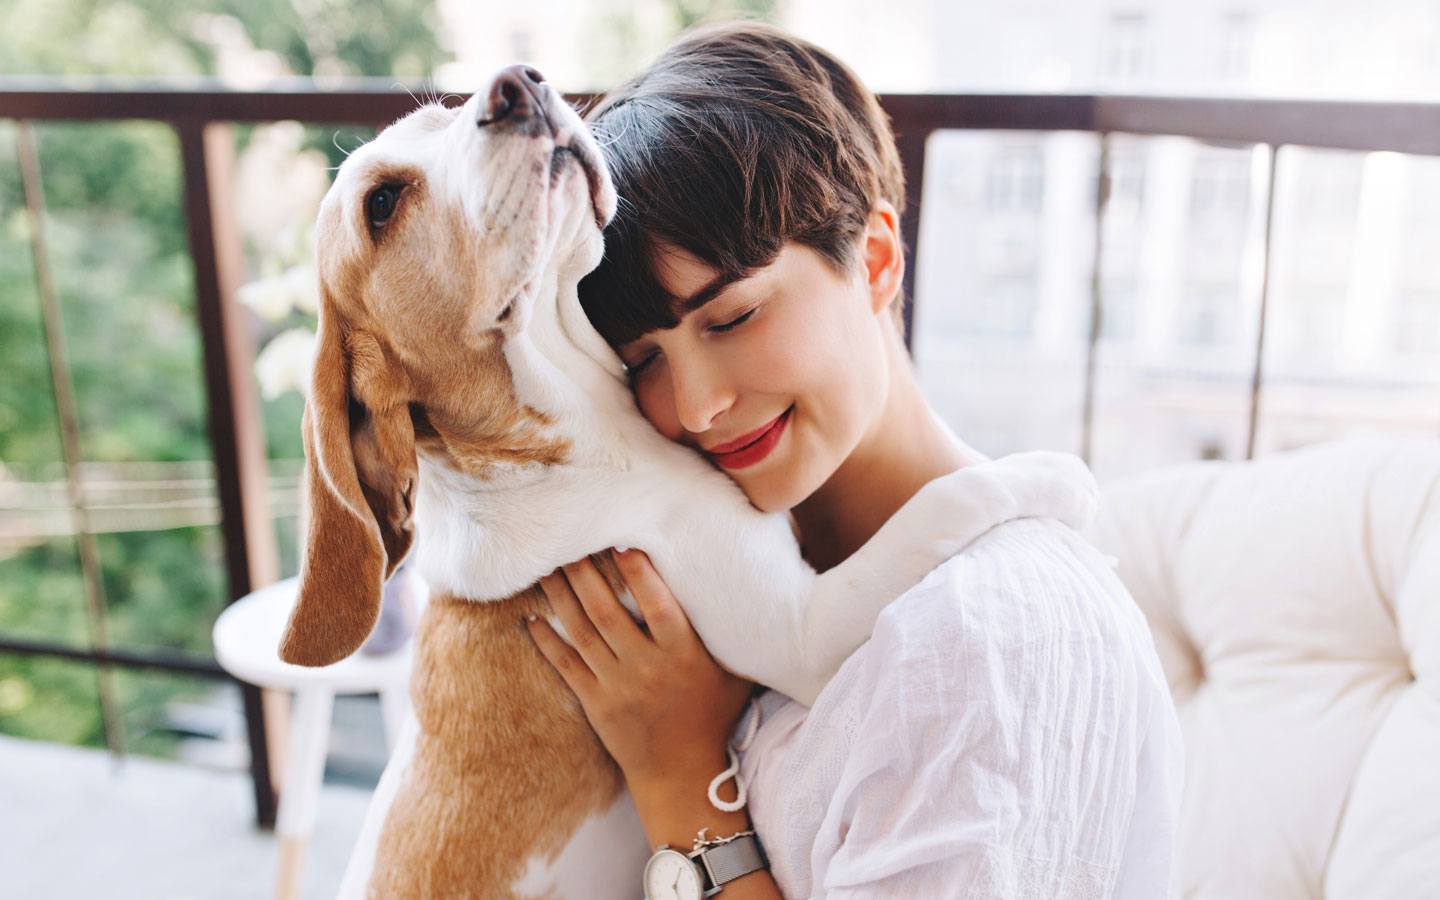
515	95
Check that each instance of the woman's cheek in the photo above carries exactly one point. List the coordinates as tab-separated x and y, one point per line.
652	396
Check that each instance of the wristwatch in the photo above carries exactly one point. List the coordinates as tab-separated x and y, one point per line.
673	875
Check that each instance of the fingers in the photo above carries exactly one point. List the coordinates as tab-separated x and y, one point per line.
662	612
578	628
563	657
609	616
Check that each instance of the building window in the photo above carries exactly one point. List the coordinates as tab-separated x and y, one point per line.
1207	315
1417	322
1005	308
1015	181
1328	187
1117	311
1221	188
1313	317
522	45
1237	37
1127	185
1126	56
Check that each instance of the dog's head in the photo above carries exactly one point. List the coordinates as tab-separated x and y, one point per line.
432	246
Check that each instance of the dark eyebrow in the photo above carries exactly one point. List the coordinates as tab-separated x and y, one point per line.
712	287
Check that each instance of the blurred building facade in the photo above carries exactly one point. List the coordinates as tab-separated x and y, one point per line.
1353	328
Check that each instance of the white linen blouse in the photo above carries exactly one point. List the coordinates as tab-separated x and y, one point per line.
1006	732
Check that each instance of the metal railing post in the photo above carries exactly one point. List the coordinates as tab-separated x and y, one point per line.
67	417
911	145
1097	306
1257	374
236	437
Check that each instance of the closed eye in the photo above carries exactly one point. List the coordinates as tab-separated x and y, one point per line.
733	323
633	371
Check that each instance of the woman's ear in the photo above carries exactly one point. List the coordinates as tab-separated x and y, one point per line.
884	254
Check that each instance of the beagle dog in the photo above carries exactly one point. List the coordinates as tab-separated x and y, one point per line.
461	397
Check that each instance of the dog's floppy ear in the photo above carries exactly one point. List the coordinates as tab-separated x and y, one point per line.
360	475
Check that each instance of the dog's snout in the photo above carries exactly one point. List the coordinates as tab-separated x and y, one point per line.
514	96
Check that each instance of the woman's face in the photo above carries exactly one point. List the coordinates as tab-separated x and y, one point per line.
777	379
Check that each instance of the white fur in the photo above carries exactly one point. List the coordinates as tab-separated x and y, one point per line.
761	610
597	862
362	857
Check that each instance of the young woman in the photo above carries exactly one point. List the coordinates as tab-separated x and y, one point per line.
1007	730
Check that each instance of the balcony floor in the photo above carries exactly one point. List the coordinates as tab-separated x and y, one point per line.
73	825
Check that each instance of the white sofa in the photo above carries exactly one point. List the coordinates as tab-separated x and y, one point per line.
1295	603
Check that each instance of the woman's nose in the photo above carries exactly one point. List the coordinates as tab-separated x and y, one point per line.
702	395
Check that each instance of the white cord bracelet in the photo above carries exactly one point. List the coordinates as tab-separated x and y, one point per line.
733	771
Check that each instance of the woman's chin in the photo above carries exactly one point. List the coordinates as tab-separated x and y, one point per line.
776	490
785	478
768	504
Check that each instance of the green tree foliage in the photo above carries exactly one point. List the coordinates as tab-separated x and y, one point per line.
381	38
120	258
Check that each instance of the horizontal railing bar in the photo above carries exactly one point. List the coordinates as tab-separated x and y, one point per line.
1333	124
164	660
1336	124
915	113
353	104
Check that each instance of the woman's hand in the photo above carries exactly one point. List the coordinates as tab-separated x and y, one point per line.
662	706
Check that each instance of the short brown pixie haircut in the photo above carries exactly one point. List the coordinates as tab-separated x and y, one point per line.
736	140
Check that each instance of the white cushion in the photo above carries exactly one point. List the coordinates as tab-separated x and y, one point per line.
1295	603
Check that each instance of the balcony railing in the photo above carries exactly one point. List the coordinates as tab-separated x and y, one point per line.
201	119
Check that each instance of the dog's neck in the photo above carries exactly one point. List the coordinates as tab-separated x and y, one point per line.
562	367
483	529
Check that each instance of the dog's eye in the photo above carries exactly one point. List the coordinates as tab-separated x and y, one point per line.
381	203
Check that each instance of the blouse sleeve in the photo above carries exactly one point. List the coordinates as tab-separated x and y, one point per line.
997	747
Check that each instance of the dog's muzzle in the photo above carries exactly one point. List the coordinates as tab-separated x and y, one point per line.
517	102
521	101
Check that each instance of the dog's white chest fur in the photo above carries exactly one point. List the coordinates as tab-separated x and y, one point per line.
593	863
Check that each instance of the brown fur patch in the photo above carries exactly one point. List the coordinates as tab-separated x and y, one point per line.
478	422
505	767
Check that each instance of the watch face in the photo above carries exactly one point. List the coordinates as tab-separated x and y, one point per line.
670	875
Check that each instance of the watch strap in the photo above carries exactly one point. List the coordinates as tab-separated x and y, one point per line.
726	862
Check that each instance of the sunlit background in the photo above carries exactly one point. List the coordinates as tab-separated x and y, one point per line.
1002	299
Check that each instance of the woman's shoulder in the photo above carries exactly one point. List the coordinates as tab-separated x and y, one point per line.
1018	570
1028	591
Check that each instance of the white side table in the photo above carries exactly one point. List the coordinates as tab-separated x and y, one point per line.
247	641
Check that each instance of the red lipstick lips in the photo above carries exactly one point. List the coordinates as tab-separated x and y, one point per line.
749	449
